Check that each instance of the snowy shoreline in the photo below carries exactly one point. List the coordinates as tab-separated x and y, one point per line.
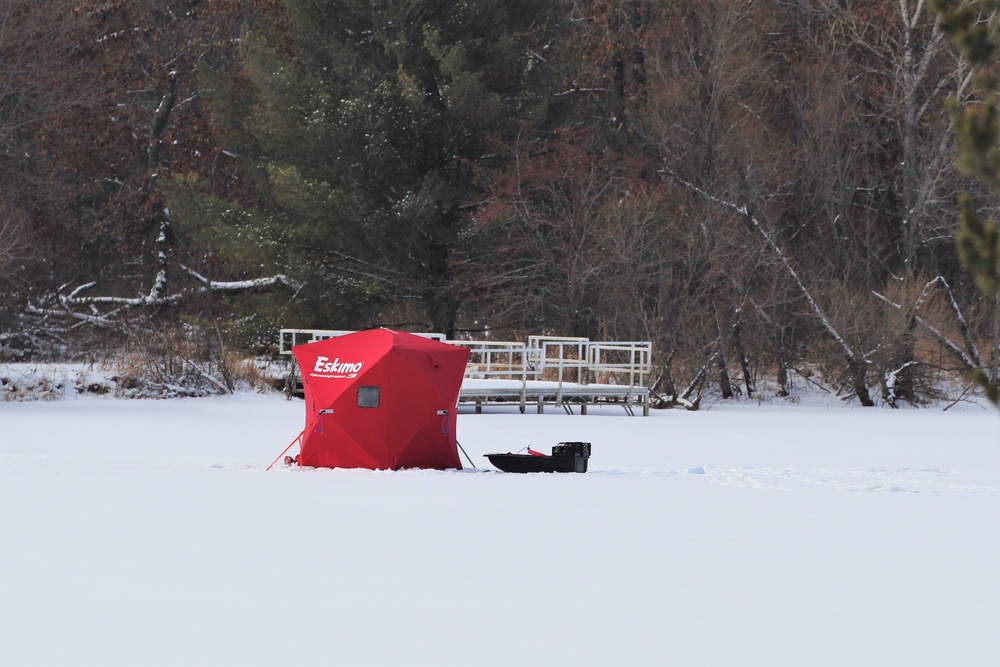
25	382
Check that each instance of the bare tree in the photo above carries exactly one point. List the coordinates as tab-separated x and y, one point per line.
713	121
546	230
12	242
99	108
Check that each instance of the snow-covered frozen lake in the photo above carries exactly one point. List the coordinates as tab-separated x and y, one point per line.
148	533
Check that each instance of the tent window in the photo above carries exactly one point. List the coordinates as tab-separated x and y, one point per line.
368	397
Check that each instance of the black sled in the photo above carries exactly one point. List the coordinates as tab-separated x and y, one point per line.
566	457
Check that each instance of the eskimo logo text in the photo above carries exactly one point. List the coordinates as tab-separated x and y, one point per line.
337	368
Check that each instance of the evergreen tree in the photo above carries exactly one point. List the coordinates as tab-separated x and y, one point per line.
975	29
363	127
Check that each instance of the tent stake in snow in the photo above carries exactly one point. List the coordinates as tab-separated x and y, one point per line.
466	454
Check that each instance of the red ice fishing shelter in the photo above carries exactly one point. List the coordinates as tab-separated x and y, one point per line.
380	399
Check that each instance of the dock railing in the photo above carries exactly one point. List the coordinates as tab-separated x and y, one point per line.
498	360
289	338
559	355
627	362
562	356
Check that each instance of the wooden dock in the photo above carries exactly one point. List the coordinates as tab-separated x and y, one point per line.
540	394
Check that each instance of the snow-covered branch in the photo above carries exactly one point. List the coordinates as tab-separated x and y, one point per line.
208	377
971	360
744	211
963	323
239	285
856	362
156	298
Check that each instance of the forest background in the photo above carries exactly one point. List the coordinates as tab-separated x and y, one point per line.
760	188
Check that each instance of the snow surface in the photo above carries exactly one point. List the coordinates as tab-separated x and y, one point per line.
148	533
